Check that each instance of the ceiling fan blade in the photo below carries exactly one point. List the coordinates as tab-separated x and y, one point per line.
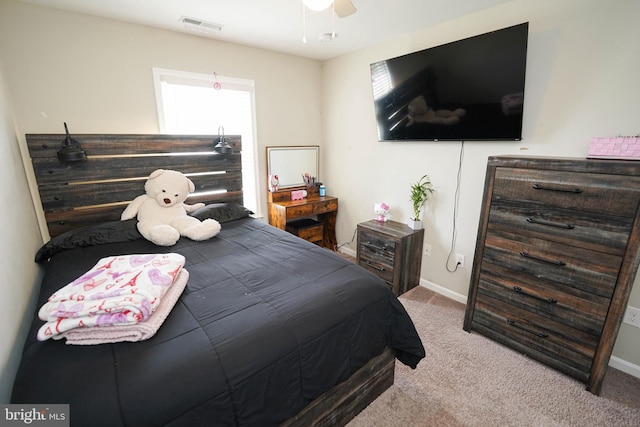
344	8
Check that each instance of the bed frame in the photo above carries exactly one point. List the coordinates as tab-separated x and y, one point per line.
77	194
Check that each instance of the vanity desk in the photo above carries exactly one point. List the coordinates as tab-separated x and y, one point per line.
297	216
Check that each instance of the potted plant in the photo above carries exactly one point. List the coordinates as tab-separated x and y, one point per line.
420	192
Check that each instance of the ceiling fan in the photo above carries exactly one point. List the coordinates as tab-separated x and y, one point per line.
342	8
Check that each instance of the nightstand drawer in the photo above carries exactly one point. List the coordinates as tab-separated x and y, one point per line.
383	271
377	254
377	246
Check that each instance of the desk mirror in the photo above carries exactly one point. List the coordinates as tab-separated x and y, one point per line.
290	163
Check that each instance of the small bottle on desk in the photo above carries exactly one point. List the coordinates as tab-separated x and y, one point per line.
322	191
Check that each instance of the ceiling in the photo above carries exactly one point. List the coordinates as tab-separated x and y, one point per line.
278	24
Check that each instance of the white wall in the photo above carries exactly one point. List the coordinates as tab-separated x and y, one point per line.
20	241
582	81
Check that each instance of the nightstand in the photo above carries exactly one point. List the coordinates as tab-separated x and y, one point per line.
392	251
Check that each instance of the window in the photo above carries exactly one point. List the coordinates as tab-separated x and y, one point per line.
197	104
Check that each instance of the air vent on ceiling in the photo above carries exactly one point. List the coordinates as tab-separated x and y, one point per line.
200	25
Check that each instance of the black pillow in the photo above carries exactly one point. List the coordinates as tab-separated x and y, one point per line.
222	212
107	232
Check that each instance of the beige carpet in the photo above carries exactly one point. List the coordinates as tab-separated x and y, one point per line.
469	380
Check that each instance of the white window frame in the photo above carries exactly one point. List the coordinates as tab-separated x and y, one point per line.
250	170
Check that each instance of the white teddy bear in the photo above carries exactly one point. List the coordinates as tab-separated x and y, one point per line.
162	215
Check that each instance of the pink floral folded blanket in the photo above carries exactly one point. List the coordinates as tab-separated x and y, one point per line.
134	332
123	289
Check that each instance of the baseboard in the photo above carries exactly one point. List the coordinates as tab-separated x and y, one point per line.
444	291
624	366
347	251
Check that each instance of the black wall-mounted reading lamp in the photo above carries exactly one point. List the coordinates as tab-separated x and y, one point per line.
222	147
71	151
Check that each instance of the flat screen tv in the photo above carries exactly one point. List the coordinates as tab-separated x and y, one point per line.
467	90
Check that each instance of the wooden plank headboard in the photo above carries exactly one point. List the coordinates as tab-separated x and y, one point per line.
76	194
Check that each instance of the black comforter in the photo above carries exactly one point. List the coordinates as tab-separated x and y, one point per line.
267	323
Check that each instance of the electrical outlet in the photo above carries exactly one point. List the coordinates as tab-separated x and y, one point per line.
427	249
460	260
632	316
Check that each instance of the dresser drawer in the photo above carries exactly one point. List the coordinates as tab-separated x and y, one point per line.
592	230
541	335
573	307
579	268
608	194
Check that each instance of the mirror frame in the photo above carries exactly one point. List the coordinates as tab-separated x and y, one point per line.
295	160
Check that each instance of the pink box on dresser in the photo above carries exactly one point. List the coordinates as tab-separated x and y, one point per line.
298	194
621	147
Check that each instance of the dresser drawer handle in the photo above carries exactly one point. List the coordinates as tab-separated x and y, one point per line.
563	190
375	266
538	334
519	290
548	261
550	223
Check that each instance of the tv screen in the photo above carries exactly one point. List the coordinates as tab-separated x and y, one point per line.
467	90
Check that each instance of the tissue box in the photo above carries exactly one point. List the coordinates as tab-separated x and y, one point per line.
622	147
298	194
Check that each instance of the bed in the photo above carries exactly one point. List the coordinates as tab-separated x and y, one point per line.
269	330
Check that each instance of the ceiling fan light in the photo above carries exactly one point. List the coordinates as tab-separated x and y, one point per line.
327	37
317	5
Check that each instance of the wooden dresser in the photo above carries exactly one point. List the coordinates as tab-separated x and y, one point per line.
283	213
393	251
556	257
